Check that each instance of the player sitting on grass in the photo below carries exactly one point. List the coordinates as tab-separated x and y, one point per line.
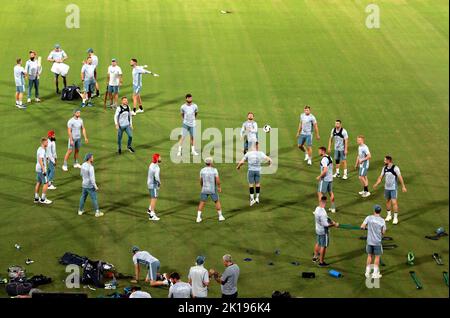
152	264
323	223
153	183
376	228
362	163
41	173
89	186
326	178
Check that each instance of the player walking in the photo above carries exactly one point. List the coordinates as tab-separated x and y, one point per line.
75	127
249	132
114	82
305	131
210	183
94	58
391	174
89	186
137	84
124	123
88	78
153	183
362	162
189	112
33	70
19	78
255	159
323	223
52	157
41	173
58	56
326	178
376	228
340	137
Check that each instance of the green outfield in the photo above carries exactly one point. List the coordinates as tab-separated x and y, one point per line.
270	57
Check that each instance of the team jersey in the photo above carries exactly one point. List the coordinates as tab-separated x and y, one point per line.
250	130
32	69
390	174
143	258
137	75
189	112
94	60
308	122
123	117
57	55
321	218
180	290
75	126
88	71
41	154
327	162
19	75
339	138
51	151
153	178
115	72
198	275
255	159
88	174
363	152
375	228
208	176
140	294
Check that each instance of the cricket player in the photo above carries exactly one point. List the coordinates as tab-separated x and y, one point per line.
323	223
179	289
75	127
340	137
88	78
210	184
326	178
19	78
145	259
33	71
362	163
255	159
57	56
114	82
199	278
229	278
89	186
94	58
52	157
308	123
376	228
153	183
137	84
391	174
41	173
249	132
124	123
189	112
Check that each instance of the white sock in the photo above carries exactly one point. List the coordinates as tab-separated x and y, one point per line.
43	197
36	195
345	172
257	195
20	103
199	214
193	148
337	170
179	148
395	215
376	270
219	212
388	213
368	268
252	197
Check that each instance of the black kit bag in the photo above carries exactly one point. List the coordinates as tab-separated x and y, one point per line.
70	93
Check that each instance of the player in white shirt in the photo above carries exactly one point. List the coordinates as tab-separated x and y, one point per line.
75	128
94	57
51	157
362	164
58	57
308	124
114	82
137	84
33	71
179	289
249	132
199	278
19	78
153	183
152	264
340	137
88	78
41	173
189	112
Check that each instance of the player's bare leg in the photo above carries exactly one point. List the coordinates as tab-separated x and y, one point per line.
219	211
368	265
66	158
309	159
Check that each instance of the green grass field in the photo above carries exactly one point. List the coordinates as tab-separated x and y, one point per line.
270	57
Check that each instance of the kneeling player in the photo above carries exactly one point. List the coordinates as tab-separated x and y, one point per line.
144	258
326	178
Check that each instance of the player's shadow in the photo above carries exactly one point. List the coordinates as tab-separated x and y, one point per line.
426	208
346	256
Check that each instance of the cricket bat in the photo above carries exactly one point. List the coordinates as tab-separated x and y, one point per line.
39	63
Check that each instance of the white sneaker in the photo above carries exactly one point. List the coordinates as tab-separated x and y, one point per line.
365	194
221	218
309	162
199	220
395	221
179	154
194	153
306	157
153	218
37	100
332	210
367	275
345	177
65	168
99	214
77	165
336	175
133	113
361	192
51	187
376	275
257	200
21	106
80	213
46	201
388	218
252	202
29	100
139	111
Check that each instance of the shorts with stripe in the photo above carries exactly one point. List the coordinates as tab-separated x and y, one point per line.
323	240
153	269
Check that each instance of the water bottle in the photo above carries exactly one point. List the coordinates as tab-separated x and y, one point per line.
334	273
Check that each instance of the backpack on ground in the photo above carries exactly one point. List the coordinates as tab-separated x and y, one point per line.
38	280
70	93
18	287
72	259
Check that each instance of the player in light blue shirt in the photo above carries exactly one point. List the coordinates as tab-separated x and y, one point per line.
88	78
376	228
249	132
326	178
189	112
210	184
340	137
137	84
362	164
19	79
33	70
41	173
89	185
153	183
308	124
57	56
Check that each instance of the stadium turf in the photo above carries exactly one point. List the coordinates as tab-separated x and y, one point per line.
269	57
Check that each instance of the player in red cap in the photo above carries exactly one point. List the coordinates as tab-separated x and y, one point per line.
154	183
51	156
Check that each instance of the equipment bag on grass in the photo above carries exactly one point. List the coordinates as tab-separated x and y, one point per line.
72	259
38	280
93	274
70	93
15	288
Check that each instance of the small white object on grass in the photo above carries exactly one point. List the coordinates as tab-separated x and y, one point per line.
267	128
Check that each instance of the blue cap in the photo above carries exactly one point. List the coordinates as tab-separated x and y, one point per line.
377	208
134	249
88	156
90	50
200	260
57	46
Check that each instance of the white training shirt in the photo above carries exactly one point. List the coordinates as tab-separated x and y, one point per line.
19	75
140	294
114	75
189	112
180	290
51	151
41	154
198	275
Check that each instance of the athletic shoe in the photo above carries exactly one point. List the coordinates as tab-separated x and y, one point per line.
29	261
388	218
90	105
367	275
119	151
64	168
315	259
323	264
345	177
37	100
99	214
36	200
221	218
309	162
376	275
131	150
46	201
257	200
361	192
365	194
133	113
252	202
21	106
153	218
77	165
336	175
80	213
139	111
194	153
179	154
395	221
83	105
29	100
51	187
332	210
199	220
306	158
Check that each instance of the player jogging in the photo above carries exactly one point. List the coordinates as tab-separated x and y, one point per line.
391	174
19	78
94	58
153	183
124	123
75	127
255	159
249	132
376	228
88	78
189	112
308	123
41	173
33	70
145	259
326	178
137	84
340	137
362	163
210	184
323	223
57	57
114	82
52	157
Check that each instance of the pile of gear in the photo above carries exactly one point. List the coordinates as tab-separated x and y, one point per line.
19	285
